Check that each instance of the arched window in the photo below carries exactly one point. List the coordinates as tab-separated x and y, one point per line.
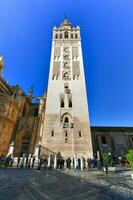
71	35
79	133
66	120
56	36
70	103
66	34
76	36
60	36
65	133
62	103
66	140
57	76
52	133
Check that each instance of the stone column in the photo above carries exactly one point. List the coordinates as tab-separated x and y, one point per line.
36	151
55	162
82	167
11	149
75	162
49	158
36	154
23	161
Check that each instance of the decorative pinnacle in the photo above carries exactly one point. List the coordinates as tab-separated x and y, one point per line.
1	63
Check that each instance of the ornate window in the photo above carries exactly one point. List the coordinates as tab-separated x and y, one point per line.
66	134
62	103
103	140
66	76
76	35
52	133
55	77
66	57
66	140
56	36
60	36
66	49
70	103
79	133
66	34
66	120
66	65
71	35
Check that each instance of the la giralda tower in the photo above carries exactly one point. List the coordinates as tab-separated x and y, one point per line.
66	125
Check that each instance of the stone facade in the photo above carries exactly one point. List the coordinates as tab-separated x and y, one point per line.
19	119
66	124
116	140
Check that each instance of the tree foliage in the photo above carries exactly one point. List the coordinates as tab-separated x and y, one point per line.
129	157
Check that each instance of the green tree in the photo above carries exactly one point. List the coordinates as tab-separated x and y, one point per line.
129	157
107	158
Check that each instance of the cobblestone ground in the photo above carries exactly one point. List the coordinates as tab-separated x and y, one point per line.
22	184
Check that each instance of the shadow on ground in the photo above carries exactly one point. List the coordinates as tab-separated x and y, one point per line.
22	184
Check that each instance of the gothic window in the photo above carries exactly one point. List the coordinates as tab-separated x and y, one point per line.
103	140
77	76
79	133
65	65
66	140
62	103
66	49
65	133
60	36
66	34
55	77
66	57
71	35
56	36
76	36
70	103
66	76
52	133
66	120
66	86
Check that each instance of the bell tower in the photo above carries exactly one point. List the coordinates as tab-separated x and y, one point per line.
66	124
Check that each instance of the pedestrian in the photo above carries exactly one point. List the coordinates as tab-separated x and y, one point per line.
39	164
18	161
106	167
11	161
33	161
68	163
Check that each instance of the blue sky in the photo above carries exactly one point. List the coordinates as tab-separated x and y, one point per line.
107	42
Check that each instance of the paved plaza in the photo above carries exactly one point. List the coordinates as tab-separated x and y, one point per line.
24	184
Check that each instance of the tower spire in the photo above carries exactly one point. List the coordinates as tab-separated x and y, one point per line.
1	63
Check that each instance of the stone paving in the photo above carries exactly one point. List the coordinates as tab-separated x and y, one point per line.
24	184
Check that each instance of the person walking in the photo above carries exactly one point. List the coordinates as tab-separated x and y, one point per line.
18	161
106	167
39	165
